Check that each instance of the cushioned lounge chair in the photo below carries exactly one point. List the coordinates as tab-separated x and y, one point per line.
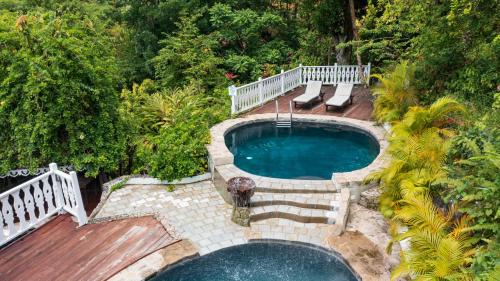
343	94
312	93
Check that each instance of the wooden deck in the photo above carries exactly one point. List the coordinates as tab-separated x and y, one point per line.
60	251
361	108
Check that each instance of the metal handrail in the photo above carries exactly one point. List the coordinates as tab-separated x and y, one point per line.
277	108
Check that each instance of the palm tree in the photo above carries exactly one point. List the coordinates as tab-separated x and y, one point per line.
442	114
440	245
416	162
418	149
395	93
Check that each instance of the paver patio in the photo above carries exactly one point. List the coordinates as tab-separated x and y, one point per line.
198	213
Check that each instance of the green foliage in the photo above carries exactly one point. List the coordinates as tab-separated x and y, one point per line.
454	44
186	56
440	246
119	185
174	131
176	151
474	182
249	40
58	97
145	24
418	149
394	93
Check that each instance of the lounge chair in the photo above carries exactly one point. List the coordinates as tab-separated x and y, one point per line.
313	92
343	94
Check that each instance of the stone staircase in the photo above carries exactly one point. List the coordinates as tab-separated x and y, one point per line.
307	203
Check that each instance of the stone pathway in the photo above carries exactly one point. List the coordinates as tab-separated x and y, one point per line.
199	213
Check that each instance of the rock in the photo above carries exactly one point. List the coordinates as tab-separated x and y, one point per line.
361	254
241	216
364	242
370	199
375	227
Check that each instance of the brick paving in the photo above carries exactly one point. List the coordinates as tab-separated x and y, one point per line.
198	213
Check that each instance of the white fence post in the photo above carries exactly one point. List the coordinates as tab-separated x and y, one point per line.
261	98
282	78
368	73
232	94
255	94
57	188
301	72
335	74
38	199
80	209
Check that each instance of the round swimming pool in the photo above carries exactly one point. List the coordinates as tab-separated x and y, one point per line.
306	151
262	261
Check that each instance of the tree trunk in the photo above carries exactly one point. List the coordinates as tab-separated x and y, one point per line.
355	34
352	12
329	55
341	55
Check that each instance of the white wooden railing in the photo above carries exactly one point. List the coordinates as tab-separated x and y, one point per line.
30	204
257	93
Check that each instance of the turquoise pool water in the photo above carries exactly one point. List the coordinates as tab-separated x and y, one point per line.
305	151
261	261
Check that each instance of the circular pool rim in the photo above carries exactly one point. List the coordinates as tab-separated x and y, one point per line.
219	154
307	124
325	250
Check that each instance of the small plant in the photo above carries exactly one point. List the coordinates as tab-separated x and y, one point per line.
119	185
170	188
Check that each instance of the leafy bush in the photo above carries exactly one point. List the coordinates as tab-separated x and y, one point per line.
170	143
474	183
58	93
176	151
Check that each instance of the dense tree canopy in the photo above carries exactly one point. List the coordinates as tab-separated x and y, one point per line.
454	43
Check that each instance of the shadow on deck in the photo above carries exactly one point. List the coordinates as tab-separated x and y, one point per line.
60	251
361	108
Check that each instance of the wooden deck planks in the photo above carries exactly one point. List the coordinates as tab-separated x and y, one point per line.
361	108
61	251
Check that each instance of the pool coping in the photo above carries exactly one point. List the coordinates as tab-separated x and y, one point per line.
222	159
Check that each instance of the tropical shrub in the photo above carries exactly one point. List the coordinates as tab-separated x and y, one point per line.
418	150
394	93
441	246
174	129
474	183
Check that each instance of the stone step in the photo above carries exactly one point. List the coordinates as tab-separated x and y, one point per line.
296	189
325	201
294	213
295	186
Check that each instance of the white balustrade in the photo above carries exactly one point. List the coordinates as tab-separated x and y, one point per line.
30	204
257	93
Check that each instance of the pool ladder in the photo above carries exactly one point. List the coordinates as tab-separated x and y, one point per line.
284	123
